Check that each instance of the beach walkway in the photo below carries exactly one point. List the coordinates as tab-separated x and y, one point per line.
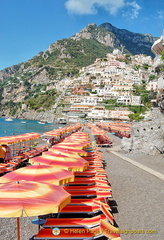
137	184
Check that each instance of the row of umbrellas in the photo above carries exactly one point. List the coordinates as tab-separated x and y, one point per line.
89	189
30	191
118	128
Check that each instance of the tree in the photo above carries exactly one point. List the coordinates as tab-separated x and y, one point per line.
162	55
135	116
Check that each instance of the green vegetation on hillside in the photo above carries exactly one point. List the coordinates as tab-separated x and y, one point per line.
42	101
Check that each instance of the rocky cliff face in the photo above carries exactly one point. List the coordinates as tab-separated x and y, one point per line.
41	77
14	93
5	73
146	137
94	32
136	43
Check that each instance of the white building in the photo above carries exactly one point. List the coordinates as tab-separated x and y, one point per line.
120	114
98	112
152	86
129	100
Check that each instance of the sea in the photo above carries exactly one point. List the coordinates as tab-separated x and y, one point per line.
20	126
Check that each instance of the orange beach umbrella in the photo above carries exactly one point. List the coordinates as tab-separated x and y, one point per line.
73	165
19	138
62	156
61	150
23	199
39	173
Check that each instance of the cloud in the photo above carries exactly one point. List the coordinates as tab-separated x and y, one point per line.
87	7
84	7
161	15
131	10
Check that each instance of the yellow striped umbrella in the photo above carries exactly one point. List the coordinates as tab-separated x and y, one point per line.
74	165
70	151
61	156
19	138
39	173
23	199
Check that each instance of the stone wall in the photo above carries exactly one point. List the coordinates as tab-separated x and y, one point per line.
147	137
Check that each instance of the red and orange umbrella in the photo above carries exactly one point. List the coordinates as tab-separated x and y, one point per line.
74	165
61	156
19	138
61	150
39	173
23	199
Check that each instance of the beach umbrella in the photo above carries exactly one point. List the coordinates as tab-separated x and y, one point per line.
79	152
25	198
75	145
19	138
39	173
74	165
62	156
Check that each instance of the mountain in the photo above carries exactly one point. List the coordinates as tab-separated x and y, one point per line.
64	58
135	43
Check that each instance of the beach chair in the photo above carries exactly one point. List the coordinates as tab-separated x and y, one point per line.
105	229
88	201
106	211
95	178
66	234
73	222
81	188
92	170
83	209
89	173
90	194
109	230
87	182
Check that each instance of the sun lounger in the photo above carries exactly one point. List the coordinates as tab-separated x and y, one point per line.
75	209
105	210
95	171
73	222
109	231
89	173
105	229
66	234
95	178
81	188
87	201
90	193
87	182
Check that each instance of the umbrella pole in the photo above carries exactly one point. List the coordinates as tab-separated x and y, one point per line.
18	228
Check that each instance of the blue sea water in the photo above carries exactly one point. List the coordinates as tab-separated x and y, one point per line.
19	126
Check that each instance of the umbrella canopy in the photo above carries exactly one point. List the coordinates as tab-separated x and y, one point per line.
25	198
75	144
70	150
73	165
19	138
39	173
69	157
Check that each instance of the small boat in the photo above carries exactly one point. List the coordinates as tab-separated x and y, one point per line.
8	119
23	121
41	122
61	121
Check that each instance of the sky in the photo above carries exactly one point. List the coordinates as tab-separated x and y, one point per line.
28	27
